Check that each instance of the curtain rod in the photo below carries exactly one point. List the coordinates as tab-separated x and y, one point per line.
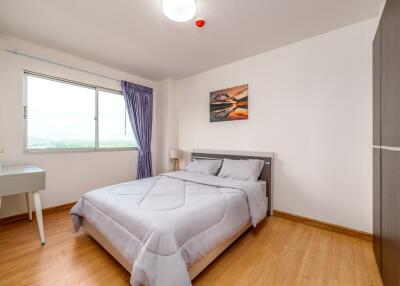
16	52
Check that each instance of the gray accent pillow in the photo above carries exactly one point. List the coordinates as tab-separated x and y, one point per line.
204	166
247	170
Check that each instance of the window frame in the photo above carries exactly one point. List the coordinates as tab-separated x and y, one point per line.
96	117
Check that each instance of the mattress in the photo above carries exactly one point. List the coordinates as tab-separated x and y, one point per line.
163	225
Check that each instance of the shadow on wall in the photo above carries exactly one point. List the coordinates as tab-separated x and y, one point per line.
290	195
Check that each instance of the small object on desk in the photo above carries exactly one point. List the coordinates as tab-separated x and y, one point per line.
175	155
29	180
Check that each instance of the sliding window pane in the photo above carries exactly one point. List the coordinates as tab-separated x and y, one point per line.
60	115
115	130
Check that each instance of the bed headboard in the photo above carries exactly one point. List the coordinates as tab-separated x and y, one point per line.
266	173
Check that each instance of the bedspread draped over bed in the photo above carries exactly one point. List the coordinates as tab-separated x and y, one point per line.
164	224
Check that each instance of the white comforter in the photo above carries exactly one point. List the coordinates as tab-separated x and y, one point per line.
164	224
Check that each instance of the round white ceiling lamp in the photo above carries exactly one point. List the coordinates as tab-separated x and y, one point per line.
179	10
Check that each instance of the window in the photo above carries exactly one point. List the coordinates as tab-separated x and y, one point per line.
64	115
114	130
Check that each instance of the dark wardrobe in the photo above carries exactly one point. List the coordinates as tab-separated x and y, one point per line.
386	141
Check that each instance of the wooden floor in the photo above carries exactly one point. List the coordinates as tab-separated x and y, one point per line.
279	252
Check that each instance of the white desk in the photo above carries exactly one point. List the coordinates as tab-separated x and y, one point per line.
25	179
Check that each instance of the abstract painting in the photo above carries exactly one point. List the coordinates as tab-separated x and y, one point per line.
229	104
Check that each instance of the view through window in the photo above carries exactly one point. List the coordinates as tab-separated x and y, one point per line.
114	126
63	115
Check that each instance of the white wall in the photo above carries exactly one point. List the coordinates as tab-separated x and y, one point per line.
311	104
69	175
167	133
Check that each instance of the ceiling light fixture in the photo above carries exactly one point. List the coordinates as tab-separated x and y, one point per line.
179	10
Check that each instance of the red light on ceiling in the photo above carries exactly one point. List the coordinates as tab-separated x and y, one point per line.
200	23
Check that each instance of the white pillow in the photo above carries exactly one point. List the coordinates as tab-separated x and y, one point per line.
247	170
204	166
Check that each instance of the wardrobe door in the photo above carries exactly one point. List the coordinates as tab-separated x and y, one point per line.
390	217
390	141
377	206
390	75
376	148
377	88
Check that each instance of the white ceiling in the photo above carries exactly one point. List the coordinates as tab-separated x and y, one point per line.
134	35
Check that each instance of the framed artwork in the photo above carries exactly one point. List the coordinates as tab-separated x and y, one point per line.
229	104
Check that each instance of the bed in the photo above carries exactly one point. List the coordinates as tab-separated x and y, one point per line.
165	230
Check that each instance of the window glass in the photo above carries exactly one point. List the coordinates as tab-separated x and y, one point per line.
60	115
115	129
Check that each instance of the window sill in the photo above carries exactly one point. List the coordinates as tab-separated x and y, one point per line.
77	150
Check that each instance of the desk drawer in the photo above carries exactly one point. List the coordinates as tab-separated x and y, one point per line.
22	183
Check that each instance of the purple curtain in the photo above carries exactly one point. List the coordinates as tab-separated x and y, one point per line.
139	103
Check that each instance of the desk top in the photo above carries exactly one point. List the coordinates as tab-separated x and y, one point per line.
21	179
19	170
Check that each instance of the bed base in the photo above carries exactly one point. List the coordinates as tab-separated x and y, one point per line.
194	270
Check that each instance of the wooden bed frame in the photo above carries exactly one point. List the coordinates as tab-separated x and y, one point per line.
206	260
